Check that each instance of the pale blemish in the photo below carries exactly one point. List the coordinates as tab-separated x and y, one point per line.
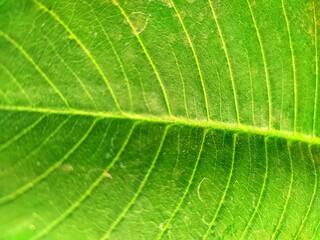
201	17
115	2
168	3
107	175
32	227
254	201
311	32
108	155
186	41
198	189
182	14
161	226
204	221
190	1
68	168
118	37
310	6
122	165
236	183
139	21
171	37
71	37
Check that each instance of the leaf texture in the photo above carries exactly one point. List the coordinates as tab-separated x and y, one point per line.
159	119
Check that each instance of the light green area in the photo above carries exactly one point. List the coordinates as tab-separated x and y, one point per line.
159	119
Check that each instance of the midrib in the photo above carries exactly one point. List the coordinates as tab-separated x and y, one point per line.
272	133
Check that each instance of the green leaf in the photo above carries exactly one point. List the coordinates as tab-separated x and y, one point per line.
159	119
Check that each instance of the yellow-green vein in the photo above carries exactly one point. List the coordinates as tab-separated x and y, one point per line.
208	232
143	93
220	90
261	192
21	133
293	63
182	81
43	143
138	192
12	196
36	66
314	194
251	90
5	96
17	83
317	70
266	73
165	227
84	88
275	233
195	58
228	62
91	188
147	55
116	55
83	47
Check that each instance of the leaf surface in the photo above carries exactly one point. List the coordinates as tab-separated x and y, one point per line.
159	119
